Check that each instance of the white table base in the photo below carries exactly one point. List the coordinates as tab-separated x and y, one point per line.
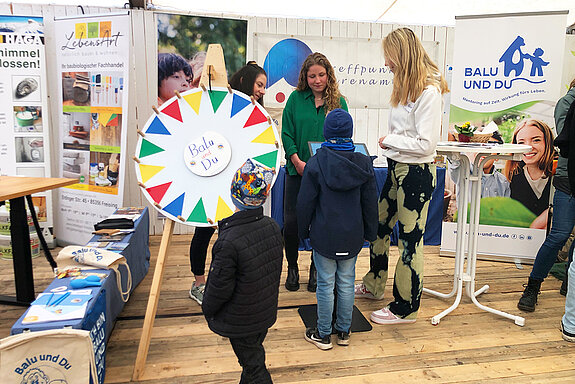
506	152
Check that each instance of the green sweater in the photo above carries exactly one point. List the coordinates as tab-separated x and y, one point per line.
302	122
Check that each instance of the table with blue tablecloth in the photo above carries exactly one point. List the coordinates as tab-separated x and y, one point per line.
106	303
432	234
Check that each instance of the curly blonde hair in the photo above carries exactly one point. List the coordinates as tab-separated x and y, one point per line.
414	69
331	94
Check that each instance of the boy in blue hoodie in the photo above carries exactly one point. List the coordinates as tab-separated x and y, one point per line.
337	210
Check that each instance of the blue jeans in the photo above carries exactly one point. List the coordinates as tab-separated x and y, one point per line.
561	227
341	275
569	317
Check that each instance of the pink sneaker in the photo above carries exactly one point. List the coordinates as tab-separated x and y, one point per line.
361	291
385	316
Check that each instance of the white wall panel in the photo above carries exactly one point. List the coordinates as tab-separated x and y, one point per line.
314	28
360	125
281	27
364	30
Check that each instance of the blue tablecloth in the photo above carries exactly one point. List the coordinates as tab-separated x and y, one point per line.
432	234
106	303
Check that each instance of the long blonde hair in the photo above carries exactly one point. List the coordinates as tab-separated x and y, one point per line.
545	163
331	93
414	69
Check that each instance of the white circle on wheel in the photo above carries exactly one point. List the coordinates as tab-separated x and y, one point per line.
208	155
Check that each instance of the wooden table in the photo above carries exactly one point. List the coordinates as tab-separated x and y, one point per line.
15	189
471	176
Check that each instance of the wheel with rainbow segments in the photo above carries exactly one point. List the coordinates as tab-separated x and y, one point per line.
190	148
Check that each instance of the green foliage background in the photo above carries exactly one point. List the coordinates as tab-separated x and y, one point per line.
187	35
506	119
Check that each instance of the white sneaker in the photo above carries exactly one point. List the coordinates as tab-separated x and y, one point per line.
362	292
197	292
385	316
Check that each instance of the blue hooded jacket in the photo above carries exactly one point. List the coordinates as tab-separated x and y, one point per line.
337	203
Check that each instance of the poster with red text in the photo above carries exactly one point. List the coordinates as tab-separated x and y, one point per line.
24	120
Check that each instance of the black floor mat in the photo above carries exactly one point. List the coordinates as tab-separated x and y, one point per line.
308	314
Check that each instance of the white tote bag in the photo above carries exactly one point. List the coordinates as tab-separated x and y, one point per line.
53	356
77	256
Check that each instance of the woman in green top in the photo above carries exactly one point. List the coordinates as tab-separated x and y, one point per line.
316	94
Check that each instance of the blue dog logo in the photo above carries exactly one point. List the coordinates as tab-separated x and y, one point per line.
509	65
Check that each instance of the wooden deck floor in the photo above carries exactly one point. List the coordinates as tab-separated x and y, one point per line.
469	345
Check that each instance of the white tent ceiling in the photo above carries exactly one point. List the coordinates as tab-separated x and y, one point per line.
426	12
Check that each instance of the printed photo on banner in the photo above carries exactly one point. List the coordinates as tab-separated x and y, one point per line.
505	84
182	44
28	118
26	88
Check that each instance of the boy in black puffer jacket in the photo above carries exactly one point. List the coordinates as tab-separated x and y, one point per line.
241	294
337	210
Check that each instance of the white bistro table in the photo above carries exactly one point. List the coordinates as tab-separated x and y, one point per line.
484	152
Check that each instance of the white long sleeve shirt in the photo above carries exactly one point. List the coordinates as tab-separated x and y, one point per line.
415	128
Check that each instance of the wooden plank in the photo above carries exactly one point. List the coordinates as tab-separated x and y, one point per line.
386	29
314	27
140	365
360	125
301	27
22	9
343	29
6	8
364	30
281	26
335	28
214	67
261	25
351	29
372	130
291	26
383	128
326	28
376	30
272	25
441	37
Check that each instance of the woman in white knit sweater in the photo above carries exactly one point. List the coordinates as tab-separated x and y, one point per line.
414	130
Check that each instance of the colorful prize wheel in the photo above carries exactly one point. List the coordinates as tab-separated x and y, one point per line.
189	151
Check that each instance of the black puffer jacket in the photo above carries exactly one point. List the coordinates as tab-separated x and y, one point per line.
241	295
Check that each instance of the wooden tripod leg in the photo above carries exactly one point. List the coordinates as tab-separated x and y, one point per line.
144	346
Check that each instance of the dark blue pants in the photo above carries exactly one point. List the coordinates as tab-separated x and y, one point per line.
252	357
199	249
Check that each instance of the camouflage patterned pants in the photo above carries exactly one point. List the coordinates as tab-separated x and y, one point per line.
405	199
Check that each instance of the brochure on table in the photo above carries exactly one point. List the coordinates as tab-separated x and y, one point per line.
58	306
